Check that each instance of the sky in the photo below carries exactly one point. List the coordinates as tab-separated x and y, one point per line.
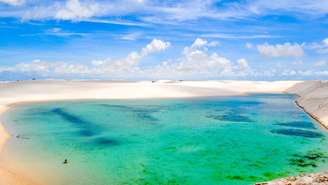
172	39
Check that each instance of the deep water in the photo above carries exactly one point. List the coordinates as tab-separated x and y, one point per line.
224	140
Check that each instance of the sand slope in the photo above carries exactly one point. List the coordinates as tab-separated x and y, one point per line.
313	98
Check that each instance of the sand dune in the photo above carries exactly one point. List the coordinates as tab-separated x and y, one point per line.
313	98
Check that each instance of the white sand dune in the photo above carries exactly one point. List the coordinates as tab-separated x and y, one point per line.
313	97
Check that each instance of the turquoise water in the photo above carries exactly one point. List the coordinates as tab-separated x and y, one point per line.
226	140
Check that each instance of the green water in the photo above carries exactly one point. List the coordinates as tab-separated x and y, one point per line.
227	140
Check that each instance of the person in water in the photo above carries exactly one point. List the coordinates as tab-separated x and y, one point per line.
65	161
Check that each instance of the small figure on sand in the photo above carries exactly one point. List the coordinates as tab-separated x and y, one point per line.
65	161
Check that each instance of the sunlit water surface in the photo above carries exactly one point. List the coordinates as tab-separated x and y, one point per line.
226	140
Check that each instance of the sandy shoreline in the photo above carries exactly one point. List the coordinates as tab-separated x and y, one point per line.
8	177
3	134
31	91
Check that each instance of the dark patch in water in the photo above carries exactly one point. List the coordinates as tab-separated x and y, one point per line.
297	124
310	159
146	115
68	117
256	164
273	175
235	177
87	129
106	142
142	112
87	133
242	178
298	132
231	118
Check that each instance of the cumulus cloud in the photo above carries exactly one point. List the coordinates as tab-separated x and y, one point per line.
243	65
106	68
129	63
201	43
196	57
196	61
155	46
281	50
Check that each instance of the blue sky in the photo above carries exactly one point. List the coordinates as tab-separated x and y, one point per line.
144	39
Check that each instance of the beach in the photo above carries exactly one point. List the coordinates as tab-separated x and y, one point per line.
313	97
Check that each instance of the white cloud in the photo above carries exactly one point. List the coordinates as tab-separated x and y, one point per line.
196	61
73	9
196	57
50	68
62	33
13	2
129	63
162	11
113	21
318	7
243	65
108	67
281	50
200	43
155	46
131	36
321	47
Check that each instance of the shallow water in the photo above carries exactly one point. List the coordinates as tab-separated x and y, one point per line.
226	140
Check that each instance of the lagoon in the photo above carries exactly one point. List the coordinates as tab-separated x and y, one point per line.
218	140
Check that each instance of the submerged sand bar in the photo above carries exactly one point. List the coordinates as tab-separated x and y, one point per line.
313	97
